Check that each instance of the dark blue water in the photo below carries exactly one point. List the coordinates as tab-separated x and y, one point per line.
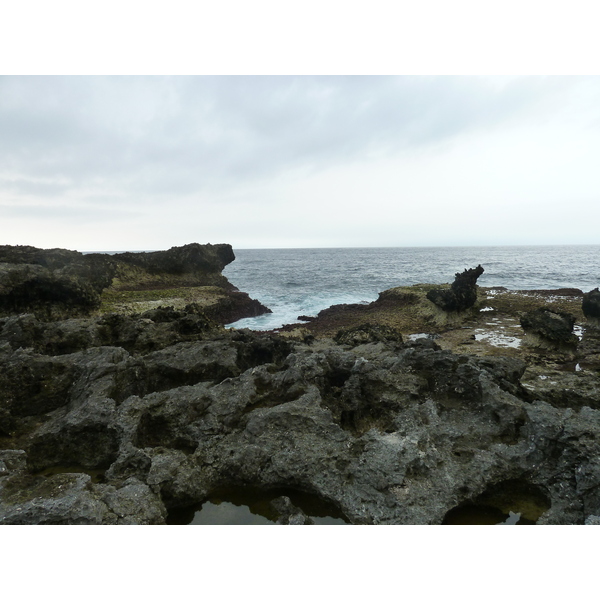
293	282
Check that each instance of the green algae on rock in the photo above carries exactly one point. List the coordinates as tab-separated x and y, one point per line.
57	284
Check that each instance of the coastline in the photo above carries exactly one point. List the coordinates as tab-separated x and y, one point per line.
392	412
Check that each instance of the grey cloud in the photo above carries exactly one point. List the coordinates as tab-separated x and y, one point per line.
67	213
155	136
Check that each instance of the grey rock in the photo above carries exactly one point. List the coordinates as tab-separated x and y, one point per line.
387	433
555	327
591	306
462	293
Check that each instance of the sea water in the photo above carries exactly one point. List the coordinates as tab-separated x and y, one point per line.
302	282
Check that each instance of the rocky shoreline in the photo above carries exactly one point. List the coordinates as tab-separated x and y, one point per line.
428	406
59	284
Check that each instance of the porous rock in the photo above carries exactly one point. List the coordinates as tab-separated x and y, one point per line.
462	293
120	419
56	284
367	333
591	306
386	433
551	326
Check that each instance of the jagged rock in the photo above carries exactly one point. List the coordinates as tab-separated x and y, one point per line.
72	499
554	327
191	258
235	306
368	333
49	294
57	284
32	385
591	306
119	419
288	514
138	334
462	293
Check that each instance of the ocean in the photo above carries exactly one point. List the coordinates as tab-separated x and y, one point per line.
294	282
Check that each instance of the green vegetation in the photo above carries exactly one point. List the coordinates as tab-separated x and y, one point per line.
137	301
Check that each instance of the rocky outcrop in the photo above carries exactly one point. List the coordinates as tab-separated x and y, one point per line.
462	293
57	284
134	418
547	327
591	306
51	294
111	428
366	334
192	258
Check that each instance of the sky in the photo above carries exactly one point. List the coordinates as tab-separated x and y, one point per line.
143	126
150	162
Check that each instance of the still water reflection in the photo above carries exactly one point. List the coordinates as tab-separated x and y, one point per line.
246	506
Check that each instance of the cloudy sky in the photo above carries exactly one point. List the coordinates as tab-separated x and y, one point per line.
143	163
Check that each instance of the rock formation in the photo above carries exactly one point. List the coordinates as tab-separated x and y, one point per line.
57	284
591	306
366	334
552	327
127	418
130	418
462	293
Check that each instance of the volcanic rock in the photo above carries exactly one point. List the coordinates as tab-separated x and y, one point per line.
191	258
56	284
125	418
387	433
367	333
549	326
591	306
462	293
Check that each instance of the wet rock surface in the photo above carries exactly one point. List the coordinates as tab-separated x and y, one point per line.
123	419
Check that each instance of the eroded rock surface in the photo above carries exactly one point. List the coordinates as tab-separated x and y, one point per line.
56	284
591	306
552	327
462	293
111	428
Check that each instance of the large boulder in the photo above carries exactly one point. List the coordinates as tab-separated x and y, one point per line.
591	306
462	293
549	327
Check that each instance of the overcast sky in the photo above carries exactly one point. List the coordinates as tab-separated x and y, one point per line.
143	163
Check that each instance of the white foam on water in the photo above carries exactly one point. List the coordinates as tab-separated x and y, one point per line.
293	282
286	310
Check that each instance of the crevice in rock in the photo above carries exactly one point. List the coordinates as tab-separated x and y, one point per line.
156	430
502	502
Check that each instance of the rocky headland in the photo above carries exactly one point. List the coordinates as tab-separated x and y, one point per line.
57	284
423	407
